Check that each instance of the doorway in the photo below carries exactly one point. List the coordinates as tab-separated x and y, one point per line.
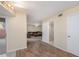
51	33
2	36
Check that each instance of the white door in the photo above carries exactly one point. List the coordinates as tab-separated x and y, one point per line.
73	33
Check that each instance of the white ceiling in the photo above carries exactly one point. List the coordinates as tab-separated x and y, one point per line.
38	10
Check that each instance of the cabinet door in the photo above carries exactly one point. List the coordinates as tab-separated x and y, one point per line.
16	32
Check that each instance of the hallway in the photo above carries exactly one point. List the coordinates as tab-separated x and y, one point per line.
42	49
39	28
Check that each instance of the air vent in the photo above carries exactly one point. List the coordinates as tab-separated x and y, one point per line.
60	15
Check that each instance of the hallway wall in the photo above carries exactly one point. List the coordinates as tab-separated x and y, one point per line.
60	28
45	31
16	32
60	32
32	28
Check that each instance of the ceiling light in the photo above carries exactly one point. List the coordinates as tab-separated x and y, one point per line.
36	25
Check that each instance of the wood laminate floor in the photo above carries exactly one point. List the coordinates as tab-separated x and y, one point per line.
42	49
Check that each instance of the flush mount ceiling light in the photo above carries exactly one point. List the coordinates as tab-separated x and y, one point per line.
60	15
36	25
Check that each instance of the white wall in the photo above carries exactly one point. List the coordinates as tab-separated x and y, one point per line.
51	32
60	32
32	28
16	28
45	31
48	31
60	28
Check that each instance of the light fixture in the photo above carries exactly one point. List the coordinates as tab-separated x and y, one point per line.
36	25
